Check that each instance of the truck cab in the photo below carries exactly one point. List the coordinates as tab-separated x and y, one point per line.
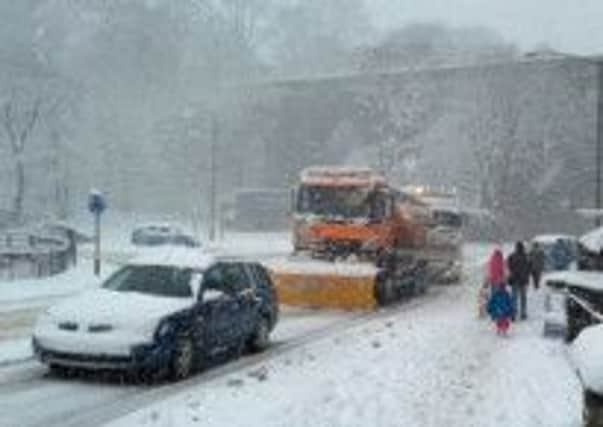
346	211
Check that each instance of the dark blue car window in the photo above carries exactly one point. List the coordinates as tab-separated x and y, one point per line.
226	277
214	279
236	278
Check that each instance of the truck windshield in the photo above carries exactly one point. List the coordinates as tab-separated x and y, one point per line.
346	202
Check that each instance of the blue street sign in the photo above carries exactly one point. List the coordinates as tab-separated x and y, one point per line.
96	203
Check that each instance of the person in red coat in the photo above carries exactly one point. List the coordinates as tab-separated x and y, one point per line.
496	274
499	304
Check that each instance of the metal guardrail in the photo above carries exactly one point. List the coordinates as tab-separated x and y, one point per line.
25	242
27	255
586	306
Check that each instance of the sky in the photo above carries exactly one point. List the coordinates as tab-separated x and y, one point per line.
571	26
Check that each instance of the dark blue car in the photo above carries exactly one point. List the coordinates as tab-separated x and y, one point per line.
164	318
560	251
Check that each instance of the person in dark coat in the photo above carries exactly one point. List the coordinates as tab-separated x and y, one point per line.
519	277
537	259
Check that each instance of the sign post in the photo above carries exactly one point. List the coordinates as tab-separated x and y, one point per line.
96	206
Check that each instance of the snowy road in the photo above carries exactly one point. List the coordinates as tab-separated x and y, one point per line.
435	365
428	362
29	397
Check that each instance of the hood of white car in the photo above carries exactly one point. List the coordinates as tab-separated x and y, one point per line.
118	309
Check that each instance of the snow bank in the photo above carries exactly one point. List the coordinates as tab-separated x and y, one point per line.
15	351
253	244
592	280
548	239
593	241
587	355
173	256
74	280
304	266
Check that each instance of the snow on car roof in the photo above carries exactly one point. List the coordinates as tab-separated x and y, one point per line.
175	257
552	238
156	225
593	240
584	279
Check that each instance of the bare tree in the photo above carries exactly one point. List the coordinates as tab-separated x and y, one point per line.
19	119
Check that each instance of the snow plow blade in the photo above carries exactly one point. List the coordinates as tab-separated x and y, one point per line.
325	285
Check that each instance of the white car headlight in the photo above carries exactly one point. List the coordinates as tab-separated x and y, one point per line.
46	318
146	330
44	321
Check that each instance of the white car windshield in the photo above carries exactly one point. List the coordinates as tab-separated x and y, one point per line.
153	280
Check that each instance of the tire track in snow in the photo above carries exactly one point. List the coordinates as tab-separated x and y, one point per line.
93	413
118	408
420	378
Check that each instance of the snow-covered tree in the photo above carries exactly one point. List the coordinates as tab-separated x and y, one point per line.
394	112
314	37
528	137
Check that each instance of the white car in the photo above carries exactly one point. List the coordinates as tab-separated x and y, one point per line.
587	357
160	316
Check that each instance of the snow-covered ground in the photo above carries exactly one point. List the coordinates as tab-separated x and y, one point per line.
436	365
29	397
25	293
22	301
117	229
14	351
429	362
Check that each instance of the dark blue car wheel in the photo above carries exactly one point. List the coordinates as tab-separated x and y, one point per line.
260	340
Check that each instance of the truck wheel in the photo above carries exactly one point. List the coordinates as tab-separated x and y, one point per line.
183	359
420	283
261	337
384	292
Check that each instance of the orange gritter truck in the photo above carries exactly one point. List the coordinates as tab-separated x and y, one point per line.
358	242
